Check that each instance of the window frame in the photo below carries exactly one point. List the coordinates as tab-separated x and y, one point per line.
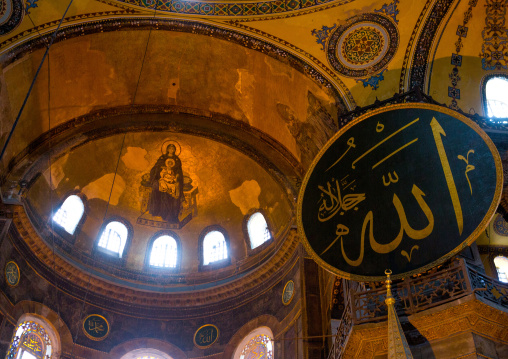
58	229
217	264
107	255
484	81
245	229
149	248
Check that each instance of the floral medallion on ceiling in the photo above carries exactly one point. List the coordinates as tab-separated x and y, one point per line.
11	14
363	46
500	226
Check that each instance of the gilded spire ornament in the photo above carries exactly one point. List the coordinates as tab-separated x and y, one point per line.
398	348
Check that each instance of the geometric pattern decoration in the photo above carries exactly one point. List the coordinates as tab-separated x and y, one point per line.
495	37
453	90
11	15
501	226
323	34
415	63
363	45
229	8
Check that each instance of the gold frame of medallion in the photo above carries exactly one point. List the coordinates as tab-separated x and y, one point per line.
208	346
284	291
472	237
5	274
88	335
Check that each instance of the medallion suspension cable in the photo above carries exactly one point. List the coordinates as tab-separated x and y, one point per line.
33	81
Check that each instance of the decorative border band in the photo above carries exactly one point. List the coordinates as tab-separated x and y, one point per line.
230	8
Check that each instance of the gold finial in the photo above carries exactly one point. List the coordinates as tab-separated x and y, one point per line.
398	348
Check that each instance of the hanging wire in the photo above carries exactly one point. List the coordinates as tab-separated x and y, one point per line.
52	235
76	336
33	81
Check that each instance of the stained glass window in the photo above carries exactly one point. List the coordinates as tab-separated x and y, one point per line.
496	97
69	214
164	252
501	263
214	247
114	237
30	342
258	230
259	347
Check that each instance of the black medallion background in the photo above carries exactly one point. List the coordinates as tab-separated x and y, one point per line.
96	327
365	190
206	336
334	39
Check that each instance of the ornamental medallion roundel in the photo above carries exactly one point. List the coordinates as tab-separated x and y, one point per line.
403	187
96	327
11	15
288	292
12	274
362	46
501	226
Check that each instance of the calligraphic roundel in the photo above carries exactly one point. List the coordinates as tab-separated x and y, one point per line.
403	188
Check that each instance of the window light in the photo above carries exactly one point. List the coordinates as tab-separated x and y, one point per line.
501	263
258	230
214	247
496	96
164	252
69	214
114	237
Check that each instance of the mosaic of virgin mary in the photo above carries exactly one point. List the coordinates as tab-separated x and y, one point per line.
166	180
168	199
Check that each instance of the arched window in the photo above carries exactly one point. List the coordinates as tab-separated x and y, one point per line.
164	253
214	247
69	214
496	96
258	231
113	238
501	263
257	344
31	341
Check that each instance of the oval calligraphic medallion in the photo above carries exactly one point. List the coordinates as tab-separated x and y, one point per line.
206	336
403	188
12	273
96	327
288	292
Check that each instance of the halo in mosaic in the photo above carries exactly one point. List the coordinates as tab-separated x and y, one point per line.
363	46
501	226
11	15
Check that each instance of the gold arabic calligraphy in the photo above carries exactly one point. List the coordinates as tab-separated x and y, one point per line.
95	326
332	202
